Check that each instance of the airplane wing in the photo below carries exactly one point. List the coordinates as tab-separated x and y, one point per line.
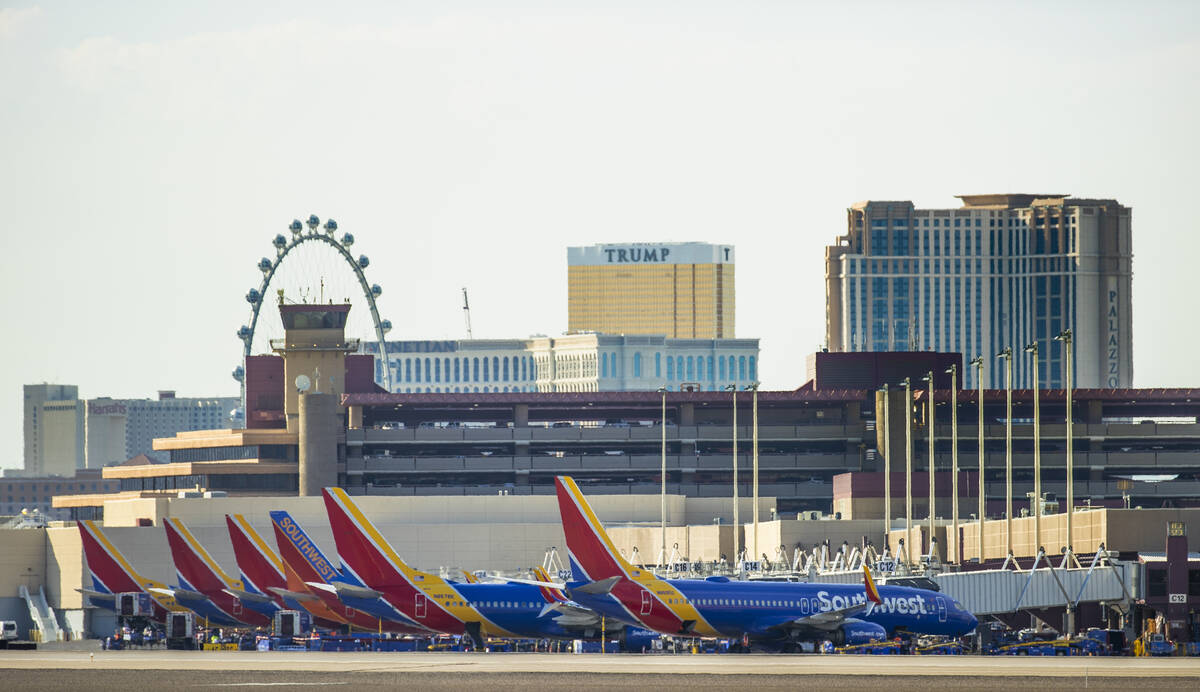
248	596
531	582
349	590
294	595
179	594
91	593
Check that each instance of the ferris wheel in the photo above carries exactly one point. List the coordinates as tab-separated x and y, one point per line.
314	273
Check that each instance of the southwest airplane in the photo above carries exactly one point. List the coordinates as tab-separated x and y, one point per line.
478	610
263	575
206	590
112	575
309	572
774	615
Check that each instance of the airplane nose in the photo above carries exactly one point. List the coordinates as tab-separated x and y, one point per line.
969	621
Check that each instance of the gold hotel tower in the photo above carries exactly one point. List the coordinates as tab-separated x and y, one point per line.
681	290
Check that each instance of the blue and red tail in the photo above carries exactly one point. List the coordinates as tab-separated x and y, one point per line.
260	567
194	566
551	595
592	554
112	573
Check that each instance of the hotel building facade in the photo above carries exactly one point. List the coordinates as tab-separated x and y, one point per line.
570	363
681	290
1002	270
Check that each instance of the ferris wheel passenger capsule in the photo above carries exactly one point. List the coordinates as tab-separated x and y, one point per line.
330	226
264	264
279	241
363	261
313	222
376	290
386	326
253	296
347	239
244	333
239	373
296	226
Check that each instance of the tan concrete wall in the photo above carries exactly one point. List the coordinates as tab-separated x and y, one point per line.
128	512
534	509
703	543
872	507
64	567
23	561
1121	530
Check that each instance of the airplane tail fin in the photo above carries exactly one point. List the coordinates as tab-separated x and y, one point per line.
551	595
470	578
593	555
194	566
869	583
260	567
110	571
364	552
298	551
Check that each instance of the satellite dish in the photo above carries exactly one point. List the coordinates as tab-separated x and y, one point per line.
303	383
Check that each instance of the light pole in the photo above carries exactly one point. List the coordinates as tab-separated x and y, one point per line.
907	384
736	542
1066	337
953	371
978	363
887	468
931	408
753	387
1037	453
1006	354
663	425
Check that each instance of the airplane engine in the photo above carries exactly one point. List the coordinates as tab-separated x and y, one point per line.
859	632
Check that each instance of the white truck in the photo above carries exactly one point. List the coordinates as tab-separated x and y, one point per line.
8	630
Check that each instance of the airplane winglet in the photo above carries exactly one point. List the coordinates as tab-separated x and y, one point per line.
869	583
598	588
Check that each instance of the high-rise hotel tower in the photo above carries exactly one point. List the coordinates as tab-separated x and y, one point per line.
679	290
1002	270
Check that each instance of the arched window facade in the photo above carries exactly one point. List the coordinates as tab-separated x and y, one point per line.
658	365
505	378
604	365
754	371
710	367
475	377
495	368
691	368
741	367
670	369
637	365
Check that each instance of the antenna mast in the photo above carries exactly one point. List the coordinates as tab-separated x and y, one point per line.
467	313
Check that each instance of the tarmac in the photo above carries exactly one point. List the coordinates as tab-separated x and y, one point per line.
132	670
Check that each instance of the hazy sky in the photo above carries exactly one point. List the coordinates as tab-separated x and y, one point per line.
149	151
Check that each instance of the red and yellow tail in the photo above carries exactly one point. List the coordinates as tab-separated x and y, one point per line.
869	583
592	553
194	566
551	595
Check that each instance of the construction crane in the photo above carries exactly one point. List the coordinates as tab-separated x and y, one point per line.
467	313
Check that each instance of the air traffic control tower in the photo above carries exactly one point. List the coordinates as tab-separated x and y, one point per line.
314	349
